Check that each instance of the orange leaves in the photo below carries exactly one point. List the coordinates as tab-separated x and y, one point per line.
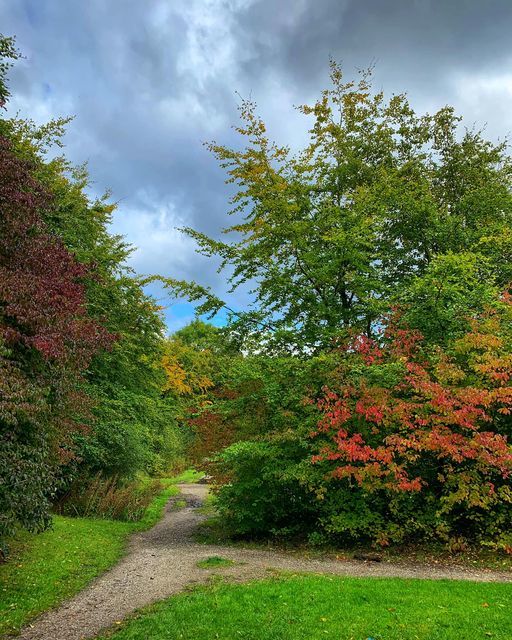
445	411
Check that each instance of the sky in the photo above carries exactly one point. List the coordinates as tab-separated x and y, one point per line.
149	82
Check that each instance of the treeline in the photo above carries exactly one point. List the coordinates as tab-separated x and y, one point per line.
371	395
82	382
365	395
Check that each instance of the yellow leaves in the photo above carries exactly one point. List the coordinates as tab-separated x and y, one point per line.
448	373
175	377
186	370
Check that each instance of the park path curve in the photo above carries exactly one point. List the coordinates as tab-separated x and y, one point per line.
162	561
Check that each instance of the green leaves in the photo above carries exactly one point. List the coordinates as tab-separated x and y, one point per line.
8	52
332	236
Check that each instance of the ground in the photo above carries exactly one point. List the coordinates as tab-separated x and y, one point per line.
166	559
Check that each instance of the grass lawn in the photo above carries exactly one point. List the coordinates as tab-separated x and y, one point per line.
318	607
45	569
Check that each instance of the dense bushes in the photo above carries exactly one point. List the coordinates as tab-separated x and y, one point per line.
427	427
81	343
262	488
411	443
327	424
47	340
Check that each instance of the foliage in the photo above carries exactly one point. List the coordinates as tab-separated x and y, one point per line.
188	370
261	490
383	209
46	341
330	236
81	343
132	431
315	607
452	288
111	499
254	395
134	428
8	52
426	430
194	361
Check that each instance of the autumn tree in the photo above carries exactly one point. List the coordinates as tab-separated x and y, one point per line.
329	236
383	209
81	342
47	340
131	426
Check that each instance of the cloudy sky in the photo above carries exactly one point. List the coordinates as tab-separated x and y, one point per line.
149	81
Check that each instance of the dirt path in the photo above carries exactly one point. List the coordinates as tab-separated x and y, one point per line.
163	560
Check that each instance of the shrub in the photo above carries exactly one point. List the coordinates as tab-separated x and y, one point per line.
261	488
421	433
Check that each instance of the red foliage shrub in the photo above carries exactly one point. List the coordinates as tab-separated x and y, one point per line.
42	299
408	418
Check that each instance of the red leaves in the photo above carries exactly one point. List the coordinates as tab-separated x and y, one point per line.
41	295
43	315
367	348
437	411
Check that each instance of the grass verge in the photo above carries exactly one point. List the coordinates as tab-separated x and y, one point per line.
215	532
318	607
45	569
189	475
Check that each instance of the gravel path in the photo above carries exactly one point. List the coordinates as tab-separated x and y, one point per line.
162	561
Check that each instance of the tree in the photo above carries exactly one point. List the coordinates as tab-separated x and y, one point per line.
80	341
330	236
8	52
131	427
46	341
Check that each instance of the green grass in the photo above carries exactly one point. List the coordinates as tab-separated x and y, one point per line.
319	607
213	562
45	569
190	475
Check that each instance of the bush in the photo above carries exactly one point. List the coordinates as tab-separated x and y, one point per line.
421	433
24	495
131	432
261	489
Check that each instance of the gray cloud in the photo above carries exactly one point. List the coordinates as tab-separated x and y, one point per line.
150	81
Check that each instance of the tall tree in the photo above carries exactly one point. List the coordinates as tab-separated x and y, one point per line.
329	236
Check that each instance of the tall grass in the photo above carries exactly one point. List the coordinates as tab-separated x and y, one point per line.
110	498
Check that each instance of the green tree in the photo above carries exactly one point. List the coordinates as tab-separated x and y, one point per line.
129	425
8	52
328	237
